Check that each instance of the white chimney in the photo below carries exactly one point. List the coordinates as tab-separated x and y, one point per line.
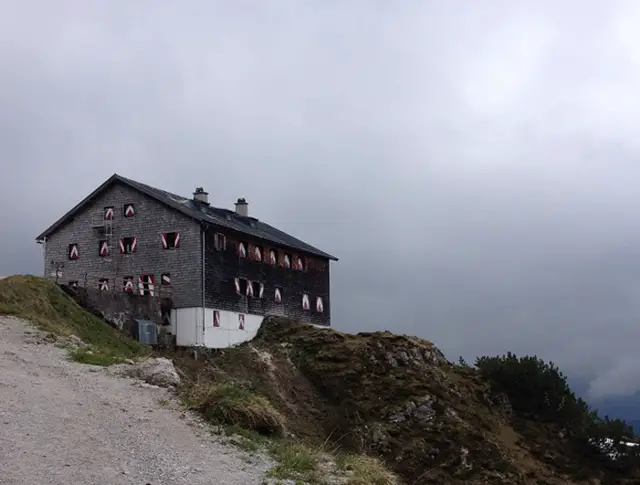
242	208
201	196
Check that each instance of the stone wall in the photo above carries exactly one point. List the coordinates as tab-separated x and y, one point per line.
119	309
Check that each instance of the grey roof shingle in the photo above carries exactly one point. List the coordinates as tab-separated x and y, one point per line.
201	212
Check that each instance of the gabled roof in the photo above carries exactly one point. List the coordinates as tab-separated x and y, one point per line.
207	214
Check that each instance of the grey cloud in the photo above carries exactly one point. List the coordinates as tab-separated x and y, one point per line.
474	167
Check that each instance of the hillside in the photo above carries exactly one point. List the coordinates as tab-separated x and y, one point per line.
318	398
398	398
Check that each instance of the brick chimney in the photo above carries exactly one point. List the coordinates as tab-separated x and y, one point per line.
242	208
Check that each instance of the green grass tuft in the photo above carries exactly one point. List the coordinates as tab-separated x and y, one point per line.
232	403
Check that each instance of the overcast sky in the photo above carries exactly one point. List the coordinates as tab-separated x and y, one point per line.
474	165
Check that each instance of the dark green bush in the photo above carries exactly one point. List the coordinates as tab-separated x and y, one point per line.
539	390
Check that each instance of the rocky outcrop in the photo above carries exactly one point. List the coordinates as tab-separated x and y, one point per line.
397	398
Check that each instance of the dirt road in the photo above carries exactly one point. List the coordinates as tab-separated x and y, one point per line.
68	423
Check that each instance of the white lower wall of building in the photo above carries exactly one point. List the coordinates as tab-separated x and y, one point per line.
186	325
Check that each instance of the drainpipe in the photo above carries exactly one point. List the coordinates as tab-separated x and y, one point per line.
204	318
44	254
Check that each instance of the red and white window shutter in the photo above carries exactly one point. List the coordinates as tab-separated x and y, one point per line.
216	318
299	265
103	285
236	282
128	284
305	301
241	321
278	295
74	253
146	285
108	213
104	249
273	258
249	288
319	305
129	210
287	261
257	253
242	250
166	279
261	290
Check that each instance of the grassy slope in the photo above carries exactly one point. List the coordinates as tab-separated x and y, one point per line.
50	309
340	392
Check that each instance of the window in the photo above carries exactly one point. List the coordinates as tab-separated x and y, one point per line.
170	240
103	284
258	289
220	241
108	213
165	279
216	318
73	284
256	252
128	245
146	284
242	249
319	305
299	263
305	302
273	256
286	262
128	284
73	251
278	295
103	248
241	321
240	286
129	210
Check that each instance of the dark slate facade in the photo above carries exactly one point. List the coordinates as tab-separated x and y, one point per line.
223	264
150	221
304	291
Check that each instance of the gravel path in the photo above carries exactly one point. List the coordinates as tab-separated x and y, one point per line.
67	423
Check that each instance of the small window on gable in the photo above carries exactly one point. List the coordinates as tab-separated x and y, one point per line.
220	241
128	245
103	284
170	240
73	251
108	213
165	279
242	249
129	210
103	248
286	260
273	256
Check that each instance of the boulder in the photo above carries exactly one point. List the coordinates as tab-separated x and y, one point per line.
156	371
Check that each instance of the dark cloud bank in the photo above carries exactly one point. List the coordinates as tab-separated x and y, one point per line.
475	169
